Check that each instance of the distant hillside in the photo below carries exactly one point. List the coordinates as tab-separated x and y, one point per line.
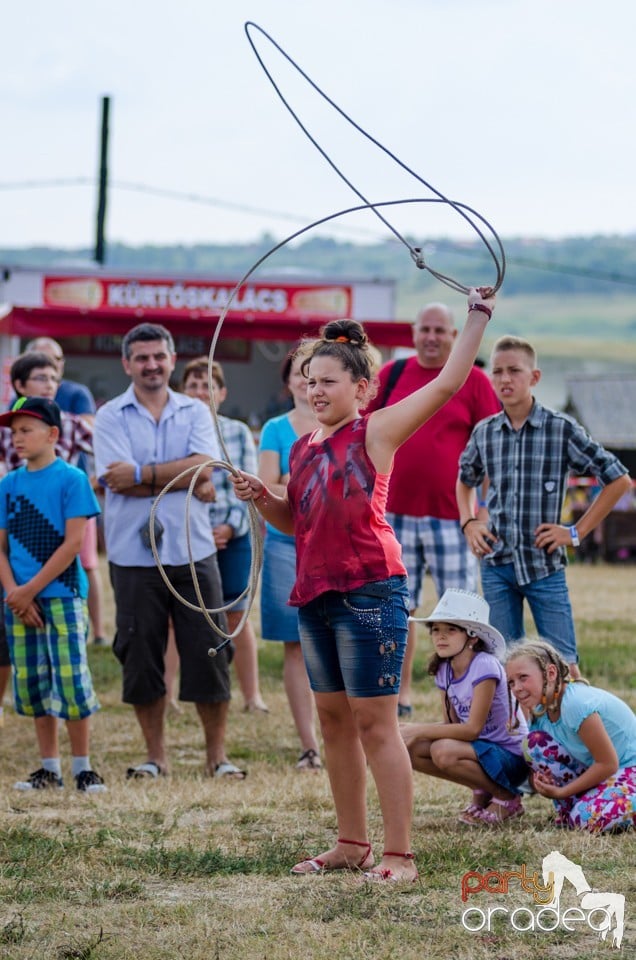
579	286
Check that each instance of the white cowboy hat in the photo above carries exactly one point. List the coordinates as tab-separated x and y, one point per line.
469	611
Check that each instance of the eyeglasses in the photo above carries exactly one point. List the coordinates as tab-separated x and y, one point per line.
42	378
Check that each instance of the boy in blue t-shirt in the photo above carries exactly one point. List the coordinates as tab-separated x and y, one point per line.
44	507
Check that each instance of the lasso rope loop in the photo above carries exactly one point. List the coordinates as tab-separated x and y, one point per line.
256	562
472	217
461	209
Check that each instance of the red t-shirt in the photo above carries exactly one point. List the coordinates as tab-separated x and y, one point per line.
425	468
338	501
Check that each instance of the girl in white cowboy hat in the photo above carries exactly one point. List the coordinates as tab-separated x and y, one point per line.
475	745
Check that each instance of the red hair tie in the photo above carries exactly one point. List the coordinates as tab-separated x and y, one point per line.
342	340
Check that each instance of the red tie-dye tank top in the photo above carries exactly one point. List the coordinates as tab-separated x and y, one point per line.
338	500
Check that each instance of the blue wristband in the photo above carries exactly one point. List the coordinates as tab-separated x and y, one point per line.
137	473
574	533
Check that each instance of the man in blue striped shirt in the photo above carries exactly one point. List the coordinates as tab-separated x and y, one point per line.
522	457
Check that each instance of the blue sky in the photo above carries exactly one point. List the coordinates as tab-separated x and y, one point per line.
523	110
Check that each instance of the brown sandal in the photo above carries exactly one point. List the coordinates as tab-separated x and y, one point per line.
317	865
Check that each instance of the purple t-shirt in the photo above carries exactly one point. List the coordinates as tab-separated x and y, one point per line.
483	666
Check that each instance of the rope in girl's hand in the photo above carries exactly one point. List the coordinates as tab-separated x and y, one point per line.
256	560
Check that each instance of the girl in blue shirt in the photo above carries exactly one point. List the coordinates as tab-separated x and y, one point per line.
582	741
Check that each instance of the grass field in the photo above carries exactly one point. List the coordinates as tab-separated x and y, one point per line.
188	867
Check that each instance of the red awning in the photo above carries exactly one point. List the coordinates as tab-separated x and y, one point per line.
59	322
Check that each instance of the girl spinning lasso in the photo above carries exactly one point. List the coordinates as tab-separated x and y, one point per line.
582	741
350	586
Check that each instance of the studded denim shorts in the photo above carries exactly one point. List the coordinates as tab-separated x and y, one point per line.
356	641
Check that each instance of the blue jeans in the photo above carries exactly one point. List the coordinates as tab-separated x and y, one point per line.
547	598
355	641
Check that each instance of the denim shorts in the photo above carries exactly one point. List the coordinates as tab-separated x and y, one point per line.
356	641
501	765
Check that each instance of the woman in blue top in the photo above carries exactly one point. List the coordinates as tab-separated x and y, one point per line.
278	620
582	741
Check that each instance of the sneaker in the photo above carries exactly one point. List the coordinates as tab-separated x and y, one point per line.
88	781
39	780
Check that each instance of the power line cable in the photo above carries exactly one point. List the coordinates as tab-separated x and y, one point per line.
460	249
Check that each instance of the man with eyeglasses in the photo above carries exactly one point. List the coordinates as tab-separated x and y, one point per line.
71	397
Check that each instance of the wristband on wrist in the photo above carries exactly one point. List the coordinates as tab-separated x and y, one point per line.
137	473
574	533
470	520
482	503
482	309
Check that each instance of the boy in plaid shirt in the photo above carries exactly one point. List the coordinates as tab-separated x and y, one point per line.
44	507
523	456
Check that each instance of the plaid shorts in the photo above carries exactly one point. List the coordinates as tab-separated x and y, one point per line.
438	546
51	676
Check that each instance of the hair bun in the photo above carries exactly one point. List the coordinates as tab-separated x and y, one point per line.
345	331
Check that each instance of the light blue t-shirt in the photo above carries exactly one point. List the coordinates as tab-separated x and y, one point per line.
578	703
279	435
34	508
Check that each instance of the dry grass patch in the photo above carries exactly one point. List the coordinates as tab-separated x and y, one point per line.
189	867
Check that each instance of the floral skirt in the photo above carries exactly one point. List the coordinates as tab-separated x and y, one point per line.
610	805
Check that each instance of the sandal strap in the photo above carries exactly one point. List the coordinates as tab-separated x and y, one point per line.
404	856
356	843
513	804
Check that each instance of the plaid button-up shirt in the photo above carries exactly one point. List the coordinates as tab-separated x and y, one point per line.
528	470
227	508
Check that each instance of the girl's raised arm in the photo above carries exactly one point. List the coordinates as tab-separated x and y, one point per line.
389	427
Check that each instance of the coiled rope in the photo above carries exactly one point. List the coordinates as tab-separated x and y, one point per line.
471	216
